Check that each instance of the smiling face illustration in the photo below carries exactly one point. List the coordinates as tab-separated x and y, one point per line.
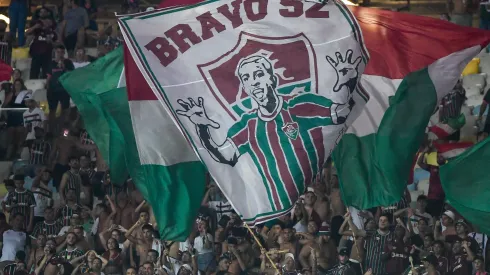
258	79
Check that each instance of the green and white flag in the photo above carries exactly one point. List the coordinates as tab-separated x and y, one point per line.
170	178
415	61
262	90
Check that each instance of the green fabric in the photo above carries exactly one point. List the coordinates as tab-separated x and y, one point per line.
467	185
457	122
373	170
175	191
83	85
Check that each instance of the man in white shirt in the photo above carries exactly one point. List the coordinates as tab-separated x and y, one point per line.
203	244
34	117
14	239
420	213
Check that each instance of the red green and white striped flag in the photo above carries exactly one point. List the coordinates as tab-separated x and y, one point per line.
452	149
261	89
415	61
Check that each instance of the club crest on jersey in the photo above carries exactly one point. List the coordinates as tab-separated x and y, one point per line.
291	130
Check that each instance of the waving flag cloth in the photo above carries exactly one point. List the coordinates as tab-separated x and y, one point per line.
262	90
466	184
415	61
84	85
166	172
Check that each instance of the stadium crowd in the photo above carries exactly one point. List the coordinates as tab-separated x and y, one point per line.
62	215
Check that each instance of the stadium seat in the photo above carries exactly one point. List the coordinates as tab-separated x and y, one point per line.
24	65
40	95
35	84
474	84
91	51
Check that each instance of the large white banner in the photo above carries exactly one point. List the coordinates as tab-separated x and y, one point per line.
262	89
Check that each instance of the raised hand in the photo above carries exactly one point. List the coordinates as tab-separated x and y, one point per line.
196	112
346	68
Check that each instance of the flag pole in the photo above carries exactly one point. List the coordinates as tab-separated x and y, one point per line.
355	244
261	247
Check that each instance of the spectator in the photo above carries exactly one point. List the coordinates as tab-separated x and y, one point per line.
50	227
69	209
442	262
73	27
33	117
375	245
71	179
71	251
39	152
42	195
37	251
81	59
19	263
15	128
479	266
421	214
56	93
14	239
435	202
18	17
41	49
22	201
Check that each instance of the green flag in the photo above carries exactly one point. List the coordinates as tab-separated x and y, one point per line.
467	185
83	85
173	184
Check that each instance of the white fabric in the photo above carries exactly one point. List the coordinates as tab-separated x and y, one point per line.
36	117
199	244
42	202
20	97
80	64
414	218
188	75
13	241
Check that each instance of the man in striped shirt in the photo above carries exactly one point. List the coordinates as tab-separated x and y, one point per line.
66	212
50	226
282	134
71	252
71	180
19	264
21	201
375	244
40	149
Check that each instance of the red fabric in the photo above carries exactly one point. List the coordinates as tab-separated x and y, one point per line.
435	187
5	71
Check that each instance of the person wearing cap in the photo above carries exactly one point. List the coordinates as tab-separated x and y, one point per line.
448	218
345	267
22	201
324	248
289	265
33	117
462	236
